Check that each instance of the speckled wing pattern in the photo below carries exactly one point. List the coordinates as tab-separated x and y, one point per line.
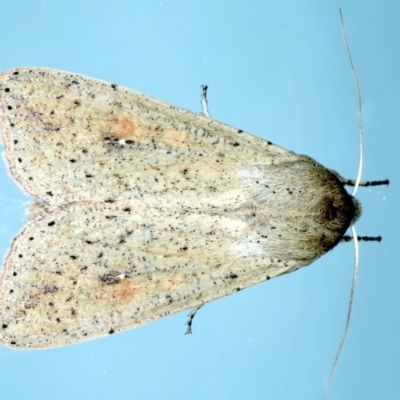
144	209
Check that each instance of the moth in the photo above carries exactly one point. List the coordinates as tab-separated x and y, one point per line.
144	209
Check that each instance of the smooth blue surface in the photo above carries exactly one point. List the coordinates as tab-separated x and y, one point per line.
280	71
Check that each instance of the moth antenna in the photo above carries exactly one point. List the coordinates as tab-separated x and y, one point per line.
360	134
353	230
190	319
204	104
350	309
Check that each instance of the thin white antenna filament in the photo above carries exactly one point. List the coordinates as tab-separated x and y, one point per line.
360	132
350	309
353	230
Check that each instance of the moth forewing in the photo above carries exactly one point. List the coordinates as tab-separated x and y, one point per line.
147	209
72	138
91	269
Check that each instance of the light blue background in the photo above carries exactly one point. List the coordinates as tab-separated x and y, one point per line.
277	69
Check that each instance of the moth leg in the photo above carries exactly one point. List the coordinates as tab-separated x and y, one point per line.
204	105
351	182
346	238
190	319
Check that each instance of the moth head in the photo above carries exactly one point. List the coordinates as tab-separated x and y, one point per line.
357	210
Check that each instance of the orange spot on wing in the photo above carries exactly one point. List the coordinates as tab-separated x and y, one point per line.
125	128
126	291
